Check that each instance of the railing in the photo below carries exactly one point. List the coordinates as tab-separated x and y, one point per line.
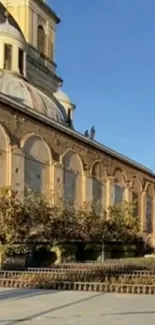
40	58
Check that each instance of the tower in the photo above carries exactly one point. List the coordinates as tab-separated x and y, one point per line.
37	22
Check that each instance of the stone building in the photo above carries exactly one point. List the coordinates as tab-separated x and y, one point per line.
39	146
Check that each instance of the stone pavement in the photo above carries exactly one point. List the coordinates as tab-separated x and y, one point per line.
27	307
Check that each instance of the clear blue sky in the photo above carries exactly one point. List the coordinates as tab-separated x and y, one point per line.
106	56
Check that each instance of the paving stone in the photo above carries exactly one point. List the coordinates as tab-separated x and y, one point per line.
27	307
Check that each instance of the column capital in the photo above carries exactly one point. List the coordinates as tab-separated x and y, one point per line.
128	185
111	179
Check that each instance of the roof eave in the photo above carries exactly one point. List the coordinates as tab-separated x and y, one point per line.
30	112
50	11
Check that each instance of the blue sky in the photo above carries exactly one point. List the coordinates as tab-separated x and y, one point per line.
105	52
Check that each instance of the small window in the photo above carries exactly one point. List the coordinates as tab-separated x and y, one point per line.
21	61
69	120
41	39
7	57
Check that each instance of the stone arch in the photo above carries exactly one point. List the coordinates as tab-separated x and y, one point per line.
41	39
5	159
136	195
136	184
98	170
149	188
120	177
98	185
38	162
72	177
5	139
72	160
149	207
120	180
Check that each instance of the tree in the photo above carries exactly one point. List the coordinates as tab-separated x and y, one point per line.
121	224
37	220
32	220
90	226
13	218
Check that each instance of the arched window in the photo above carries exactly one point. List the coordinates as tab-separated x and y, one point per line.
41	39
149	208
98	174
37	164
136	196
72	178
119	187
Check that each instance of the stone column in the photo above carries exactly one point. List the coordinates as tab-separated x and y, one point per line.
53	43
15	56
127	192
57	183
153	217
143	211
8	165
35	25
17	171
109	192
2	56
80	189
103	199
84	187
88	188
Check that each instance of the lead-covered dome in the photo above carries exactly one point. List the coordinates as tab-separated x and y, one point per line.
66	102
20	90
4	14
62	96
7	29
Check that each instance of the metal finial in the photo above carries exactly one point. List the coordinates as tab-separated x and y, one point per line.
6	15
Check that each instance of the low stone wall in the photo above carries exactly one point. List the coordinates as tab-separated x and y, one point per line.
81	286
92	270
54	273
83	277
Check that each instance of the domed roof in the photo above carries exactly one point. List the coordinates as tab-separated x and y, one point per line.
23	92
62	96
7	28
4	13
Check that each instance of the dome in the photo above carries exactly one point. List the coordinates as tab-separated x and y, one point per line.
61	96
20	90
5	14
8	29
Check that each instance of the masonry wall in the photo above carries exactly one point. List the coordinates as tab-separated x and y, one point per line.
91	166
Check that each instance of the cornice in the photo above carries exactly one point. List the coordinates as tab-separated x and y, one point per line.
72	133
50	11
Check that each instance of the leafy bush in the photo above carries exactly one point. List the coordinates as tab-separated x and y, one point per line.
36	220
39	280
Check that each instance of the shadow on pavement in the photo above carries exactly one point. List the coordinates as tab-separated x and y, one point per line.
133	313
16	294
45	312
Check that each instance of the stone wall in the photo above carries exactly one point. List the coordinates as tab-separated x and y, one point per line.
108	171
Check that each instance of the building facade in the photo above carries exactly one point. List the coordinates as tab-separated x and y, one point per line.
39	146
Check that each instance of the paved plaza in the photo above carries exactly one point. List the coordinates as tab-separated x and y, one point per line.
42	307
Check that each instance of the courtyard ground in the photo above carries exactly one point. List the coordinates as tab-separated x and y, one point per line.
27	307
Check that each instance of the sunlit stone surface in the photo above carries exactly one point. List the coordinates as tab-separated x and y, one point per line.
63	308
